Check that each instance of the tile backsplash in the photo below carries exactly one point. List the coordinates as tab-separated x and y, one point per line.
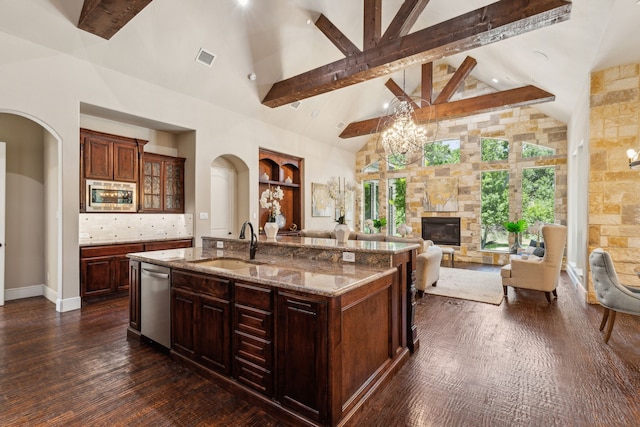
99	228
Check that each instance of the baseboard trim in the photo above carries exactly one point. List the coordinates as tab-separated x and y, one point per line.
25	292
50	294
69	304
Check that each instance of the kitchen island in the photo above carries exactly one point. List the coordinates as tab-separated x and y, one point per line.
298	329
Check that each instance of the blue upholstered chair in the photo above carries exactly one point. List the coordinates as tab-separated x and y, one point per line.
611	294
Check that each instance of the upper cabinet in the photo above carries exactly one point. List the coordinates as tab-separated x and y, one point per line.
162	183
110	157
278	169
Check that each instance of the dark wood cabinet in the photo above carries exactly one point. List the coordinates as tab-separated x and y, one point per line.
302	354
134	295
162	183
105	269
277	169
108	157
201	319
253	337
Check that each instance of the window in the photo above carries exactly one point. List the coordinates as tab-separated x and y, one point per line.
532	150
396	162
538	195
494	210
494	149
370	201
372	167
397	204
442	152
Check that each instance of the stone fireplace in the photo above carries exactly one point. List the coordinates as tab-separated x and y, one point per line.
441	230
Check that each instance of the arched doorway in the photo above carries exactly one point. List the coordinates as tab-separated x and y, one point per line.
33	249
229	195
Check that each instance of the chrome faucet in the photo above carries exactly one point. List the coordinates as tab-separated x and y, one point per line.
253	245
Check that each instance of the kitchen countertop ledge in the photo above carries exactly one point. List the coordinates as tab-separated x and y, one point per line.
309	276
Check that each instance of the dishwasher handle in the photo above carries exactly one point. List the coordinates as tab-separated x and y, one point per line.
156	274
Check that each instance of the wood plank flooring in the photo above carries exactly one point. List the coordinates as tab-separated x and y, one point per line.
524	363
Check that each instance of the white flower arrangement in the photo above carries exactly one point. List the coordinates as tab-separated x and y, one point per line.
337	189
270	200
368	223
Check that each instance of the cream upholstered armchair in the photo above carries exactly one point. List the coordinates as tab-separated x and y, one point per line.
428	267
537	273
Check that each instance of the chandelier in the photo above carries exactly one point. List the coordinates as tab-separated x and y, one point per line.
400	138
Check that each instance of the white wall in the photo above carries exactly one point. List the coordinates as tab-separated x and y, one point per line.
50	86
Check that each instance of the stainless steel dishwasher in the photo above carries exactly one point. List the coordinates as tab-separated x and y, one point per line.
155	303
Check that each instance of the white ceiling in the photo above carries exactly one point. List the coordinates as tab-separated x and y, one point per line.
272	39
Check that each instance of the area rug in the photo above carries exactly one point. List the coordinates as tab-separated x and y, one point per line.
481	286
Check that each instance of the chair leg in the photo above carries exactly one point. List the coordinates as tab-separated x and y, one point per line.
555	293
610	327
434	283
605	316
421	294
548	295
504	288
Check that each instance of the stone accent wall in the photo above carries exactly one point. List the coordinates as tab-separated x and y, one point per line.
614	199
518	125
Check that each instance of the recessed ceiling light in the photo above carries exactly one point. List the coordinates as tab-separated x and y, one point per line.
494	80
385	105
251	76
295	105
309	21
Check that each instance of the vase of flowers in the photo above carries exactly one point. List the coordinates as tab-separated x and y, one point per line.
379	223
338	188
270	200
517	228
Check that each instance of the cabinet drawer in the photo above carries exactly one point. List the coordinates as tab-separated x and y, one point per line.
253	321
215	287
254	376
254	296
254	350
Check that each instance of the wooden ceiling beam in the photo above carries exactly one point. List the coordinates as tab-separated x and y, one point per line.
489	24
456	80
400	93
404	20
519	97
104	18
372	23
336	36
426	87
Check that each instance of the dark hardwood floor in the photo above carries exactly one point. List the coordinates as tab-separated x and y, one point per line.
524	363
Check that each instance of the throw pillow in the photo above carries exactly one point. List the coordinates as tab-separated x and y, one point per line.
539	251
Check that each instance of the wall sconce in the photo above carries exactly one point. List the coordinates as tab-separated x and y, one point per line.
634	158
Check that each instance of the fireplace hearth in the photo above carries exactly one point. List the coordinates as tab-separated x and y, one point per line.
441	230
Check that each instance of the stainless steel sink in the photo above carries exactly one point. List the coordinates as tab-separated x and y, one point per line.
228	263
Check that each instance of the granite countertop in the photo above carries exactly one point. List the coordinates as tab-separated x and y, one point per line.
314	277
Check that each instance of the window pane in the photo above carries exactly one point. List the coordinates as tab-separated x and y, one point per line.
442	152
494	210
370	199
532	150
538	196
373	167
397	161
397	204
494	149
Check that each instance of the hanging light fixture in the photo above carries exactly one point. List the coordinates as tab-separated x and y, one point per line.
401	138
634	158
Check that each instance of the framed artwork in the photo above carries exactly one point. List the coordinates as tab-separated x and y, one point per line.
321	203
441	195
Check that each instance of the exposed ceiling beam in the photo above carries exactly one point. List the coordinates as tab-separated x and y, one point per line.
404	20
372	23
426	87
492	23
104	18
400	93
456	80
527	95
336	36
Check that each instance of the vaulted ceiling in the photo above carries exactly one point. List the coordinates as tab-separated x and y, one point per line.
278	39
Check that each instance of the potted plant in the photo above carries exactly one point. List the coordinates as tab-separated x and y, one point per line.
270	200
516	227
379	223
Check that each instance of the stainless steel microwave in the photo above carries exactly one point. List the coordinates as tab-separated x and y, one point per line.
111	196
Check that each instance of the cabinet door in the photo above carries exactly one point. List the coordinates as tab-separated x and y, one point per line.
121	273
96	276
152	186
134	295
302	355
174	186
98	158
183	319
125	162
213	344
